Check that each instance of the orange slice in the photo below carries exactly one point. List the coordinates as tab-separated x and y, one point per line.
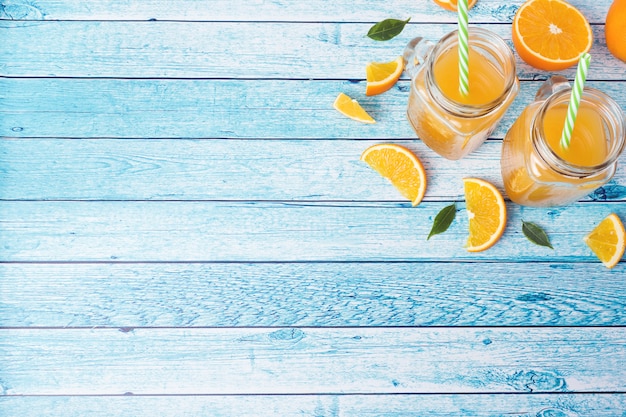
615	29
487	214
381	76
608	240
550	34
352	109
452	4
400	166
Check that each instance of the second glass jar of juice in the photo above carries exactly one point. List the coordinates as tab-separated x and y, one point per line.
538	171
451	124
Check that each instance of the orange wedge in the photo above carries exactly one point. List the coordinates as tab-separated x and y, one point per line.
400	166
608	240
550	34
615	29
381	76
452	4
352	109
487	214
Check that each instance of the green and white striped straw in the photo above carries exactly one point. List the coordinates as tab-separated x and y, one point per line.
463	48
574	101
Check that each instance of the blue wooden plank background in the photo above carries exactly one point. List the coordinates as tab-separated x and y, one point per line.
186	228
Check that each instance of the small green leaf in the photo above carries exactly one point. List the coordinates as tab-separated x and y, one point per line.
443	220
536	234
387	29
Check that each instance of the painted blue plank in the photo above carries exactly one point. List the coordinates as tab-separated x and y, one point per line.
226	50
285	232
311	294
214	109
322	170
398	405
255	10
312	361
568	287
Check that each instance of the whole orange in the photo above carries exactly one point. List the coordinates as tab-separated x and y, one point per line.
615	29
550	34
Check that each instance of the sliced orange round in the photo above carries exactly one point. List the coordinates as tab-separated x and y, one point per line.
452	4
608	240
615	29
550	34
351	108
400	166
487	214
381	76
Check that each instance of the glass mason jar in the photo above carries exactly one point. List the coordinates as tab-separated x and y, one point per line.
538	172
450	124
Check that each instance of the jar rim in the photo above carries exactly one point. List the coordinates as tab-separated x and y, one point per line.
488	41
612	116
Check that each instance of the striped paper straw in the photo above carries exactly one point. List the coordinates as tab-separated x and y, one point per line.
463	48
574	101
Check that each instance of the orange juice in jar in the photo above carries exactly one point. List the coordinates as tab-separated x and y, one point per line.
451	124
538	171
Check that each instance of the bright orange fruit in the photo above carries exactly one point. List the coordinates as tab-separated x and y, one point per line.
550	34
608	240
452	4
351	108
400	166
615	29
487	214
381	76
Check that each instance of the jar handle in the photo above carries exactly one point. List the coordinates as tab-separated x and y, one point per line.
415	54
550	86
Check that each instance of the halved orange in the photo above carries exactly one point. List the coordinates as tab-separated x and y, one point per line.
615	29
400	166
351	108
381	76
550	34
487	214
608	240
452	4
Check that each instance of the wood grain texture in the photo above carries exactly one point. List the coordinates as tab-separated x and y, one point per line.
278	232
226	50
269	109
256	10
311	360
224	169
186	229
398	405
311	294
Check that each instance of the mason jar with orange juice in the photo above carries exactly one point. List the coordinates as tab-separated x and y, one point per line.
449	122
538	171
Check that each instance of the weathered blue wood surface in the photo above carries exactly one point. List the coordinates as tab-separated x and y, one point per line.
279	232
319	294
186	228
396	405
227	169
225	50
311	361
214	109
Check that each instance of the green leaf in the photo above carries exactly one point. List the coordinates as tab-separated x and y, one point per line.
443	220
387	29
536	234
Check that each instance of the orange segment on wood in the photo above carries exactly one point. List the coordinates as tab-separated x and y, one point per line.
381	76
487	214
608	240
400	166
615	29
550	34
452	4
352	109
